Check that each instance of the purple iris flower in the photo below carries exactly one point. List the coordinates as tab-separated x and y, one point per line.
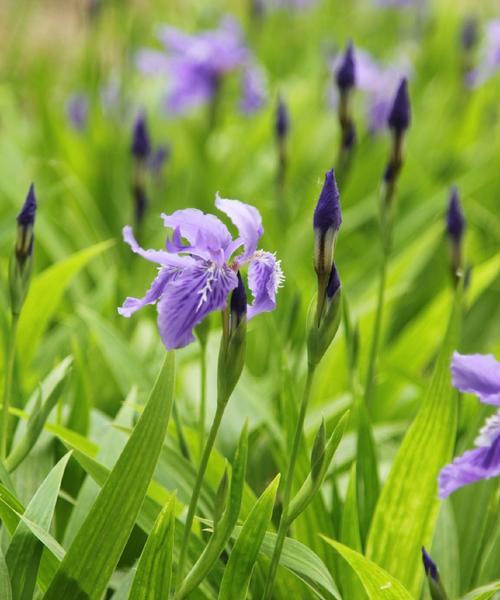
480	375
490	61
378	83
196	64
195	279
77	111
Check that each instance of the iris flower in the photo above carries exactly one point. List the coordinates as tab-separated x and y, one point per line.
479	375
196	64
490	56
195	278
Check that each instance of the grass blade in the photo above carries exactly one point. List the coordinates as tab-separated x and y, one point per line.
97	547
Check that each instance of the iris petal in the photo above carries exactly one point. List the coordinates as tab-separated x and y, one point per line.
248	221
131	305
477	374
264	278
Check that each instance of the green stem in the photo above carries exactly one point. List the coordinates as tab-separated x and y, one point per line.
9	369
203	396
284	521
197	489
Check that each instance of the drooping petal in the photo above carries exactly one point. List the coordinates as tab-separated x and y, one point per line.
477	374
248	221
473	465
264	278
131	305
158	256
189	298
203	231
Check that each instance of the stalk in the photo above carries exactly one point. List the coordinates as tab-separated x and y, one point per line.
203	396
197	488
284	521
9	369
183	445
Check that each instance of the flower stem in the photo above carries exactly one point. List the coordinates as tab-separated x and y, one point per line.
183	445
284	521
203	396
9	369
209	444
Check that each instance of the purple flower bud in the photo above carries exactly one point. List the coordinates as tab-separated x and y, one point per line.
282	120
429	566
346	73
327	215
455	220
141	144
140	203
333	283
26	216
238	303
468	33
399	117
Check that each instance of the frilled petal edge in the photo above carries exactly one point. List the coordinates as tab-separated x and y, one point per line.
248	221
189	298
265	277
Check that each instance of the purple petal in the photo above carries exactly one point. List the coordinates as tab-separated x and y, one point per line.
477	374
152	62
208	236
157	256
189	298
248	221
473	465
131	305
254	90
264	278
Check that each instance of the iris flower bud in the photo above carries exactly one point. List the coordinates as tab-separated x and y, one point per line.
436	588
327	220
282	123
233	343
455	227
325	325
469	33
346	73
141	143
399	116
22	257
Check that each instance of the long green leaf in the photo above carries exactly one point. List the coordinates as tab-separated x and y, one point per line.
97	547
408	506
25	550
46	292
379	585
485	592
241	562
5	587
154	571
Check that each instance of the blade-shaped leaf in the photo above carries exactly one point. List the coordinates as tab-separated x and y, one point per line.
379	585
96	548
485	592
25	550
243	556
5	587
408	506
154	571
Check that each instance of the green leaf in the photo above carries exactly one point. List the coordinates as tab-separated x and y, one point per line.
408	506
46	292
154	571
46	400
97	547
5	587
379	585
25	550
242	559
350	536
485	592
224	528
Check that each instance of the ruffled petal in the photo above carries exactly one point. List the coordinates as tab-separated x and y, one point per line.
189	298
264	278
477	374
248	221
158	256
204	232
131	305
473	465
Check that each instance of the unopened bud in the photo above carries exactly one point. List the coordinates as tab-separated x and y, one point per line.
455	227
436	587
233	344
345	75
326	222
282	122
141	143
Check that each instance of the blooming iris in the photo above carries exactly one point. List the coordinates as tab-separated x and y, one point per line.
195	279
480	375
490	61
196	64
